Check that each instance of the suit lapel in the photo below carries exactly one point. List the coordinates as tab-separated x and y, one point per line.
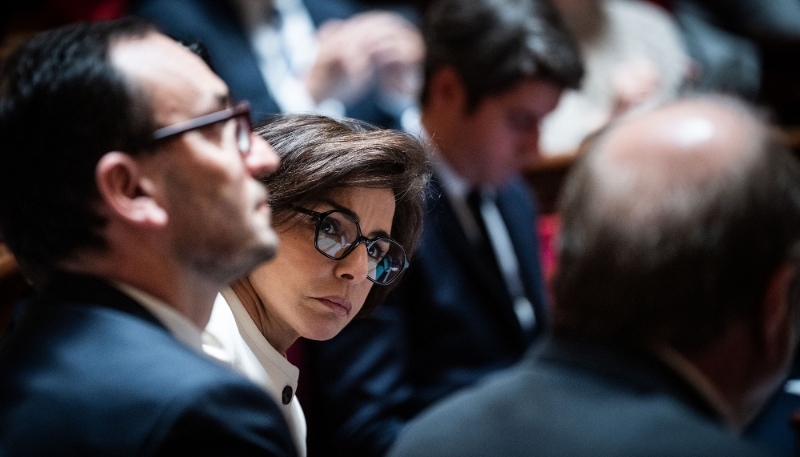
445	229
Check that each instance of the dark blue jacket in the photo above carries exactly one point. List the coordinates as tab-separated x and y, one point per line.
772	426
88	371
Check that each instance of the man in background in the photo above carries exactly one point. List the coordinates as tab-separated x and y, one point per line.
473	299
127	193
331	57
676	310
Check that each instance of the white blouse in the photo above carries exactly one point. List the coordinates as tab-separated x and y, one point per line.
232	337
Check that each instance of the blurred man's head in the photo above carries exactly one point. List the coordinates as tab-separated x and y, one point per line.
680	230
83	174
493	69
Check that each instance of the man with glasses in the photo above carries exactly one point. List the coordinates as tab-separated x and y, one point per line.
473	298
130	210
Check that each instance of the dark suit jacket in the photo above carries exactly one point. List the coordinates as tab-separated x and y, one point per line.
574	399
447	324
215	23
88	371
772	426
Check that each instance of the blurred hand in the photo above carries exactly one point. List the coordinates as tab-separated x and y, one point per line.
634	82
369	48
398	50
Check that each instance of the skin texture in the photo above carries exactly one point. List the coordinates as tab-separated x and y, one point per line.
212	200
297	290
671	149
496	140
188	219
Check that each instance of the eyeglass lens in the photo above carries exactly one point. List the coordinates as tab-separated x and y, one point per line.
337	233
243	132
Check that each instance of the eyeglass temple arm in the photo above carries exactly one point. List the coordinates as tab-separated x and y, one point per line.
208	119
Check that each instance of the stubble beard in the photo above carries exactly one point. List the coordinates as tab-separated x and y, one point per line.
221	252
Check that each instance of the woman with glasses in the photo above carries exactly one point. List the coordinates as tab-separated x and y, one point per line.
347	203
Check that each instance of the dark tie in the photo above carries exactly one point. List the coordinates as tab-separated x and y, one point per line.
474	202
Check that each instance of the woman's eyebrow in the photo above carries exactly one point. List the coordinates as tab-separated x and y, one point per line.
342	209
380	233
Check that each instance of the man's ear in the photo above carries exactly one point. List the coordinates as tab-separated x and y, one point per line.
778	316
127	192
447	92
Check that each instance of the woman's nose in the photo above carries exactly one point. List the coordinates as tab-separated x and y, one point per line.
355	267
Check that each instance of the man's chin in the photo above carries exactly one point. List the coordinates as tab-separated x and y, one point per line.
258	254
270	249
267	246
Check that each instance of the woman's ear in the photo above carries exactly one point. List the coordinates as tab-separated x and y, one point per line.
127	192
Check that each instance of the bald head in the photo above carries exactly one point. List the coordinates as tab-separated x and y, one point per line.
673	222
682	136
663	163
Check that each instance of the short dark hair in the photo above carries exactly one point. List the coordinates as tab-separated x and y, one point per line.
496	44
696	263
62	106
319	155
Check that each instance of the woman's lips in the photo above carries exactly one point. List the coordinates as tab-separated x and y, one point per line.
340	305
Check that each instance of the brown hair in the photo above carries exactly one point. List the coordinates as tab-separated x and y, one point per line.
48	195
496	44
319	155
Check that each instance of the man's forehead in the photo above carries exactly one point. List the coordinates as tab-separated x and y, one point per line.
179	84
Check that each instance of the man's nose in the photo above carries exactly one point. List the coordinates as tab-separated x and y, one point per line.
261	160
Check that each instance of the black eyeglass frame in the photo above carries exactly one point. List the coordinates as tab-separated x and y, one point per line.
360	238
241	109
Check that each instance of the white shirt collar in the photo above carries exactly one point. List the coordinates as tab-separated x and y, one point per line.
177	324
453	184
